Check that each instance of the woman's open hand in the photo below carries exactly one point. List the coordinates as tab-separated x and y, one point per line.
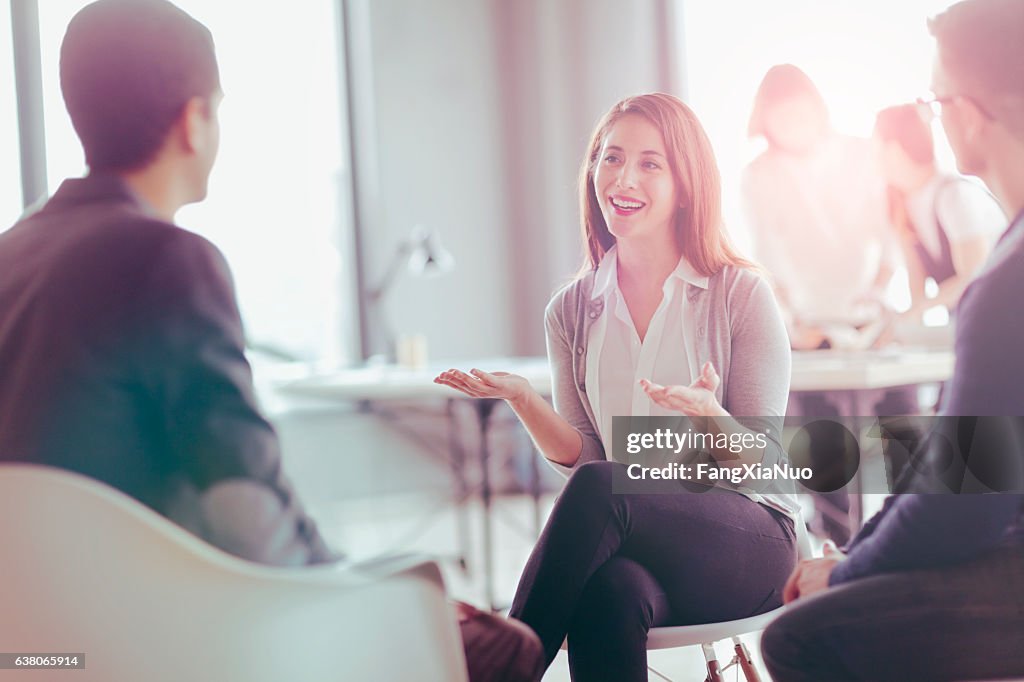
479	384
696	400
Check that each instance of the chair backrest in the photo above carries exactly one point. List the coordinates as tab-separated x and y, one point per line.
803	540
85	568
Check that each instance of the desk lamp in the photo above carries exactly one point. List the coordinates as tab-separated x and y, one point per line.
423	256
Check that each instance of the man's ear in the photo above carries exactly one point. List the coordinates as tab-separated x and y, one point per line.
193	123
973	120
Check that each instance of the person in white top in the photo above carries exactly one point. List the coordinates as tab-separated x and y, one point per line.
946	223
815	205
665	318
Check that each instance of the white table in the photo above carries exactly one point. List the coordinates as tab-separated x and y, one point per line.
820	370
846	373
393	382
855	379
835	370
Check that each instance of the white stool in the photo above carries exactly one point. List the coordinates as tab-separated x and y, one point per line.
706	634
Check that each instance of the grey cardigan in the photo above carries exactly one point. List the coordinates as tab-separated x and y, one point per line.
736	325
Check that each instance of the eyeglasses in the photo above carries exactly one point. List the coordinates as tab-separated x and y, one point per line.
933	107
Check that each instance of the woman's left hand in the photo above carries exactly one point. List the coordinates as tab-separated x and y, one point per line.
696	400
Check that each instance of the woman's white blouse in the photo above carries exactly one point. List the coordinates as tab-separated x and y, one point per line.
616	357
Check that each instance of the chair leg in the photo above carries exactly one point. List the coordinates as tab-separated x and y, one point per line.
746	663
714	670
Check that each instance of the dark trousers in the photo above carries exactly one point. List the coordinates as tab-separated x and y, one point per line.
608	567
964	622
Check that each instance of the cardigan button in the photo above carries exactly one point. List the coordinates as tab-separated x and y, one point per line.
583	387
579	350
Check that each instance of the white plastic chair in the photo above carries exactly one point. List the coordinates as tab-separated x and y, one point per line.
708	633
87	569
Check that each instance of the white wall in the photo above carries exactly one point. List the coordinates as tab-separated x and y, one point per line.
439	164
482	112
480	115
10	174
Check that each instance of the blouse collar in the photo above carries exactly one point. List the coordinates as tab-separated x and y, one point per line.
606	277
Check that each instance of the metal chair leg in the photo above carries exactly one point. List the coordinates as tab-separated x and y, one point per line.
714	670
660	676
745	662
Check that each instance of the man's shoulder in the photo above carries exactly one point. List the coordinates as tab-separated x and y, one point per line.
1004	268
138	234
141	230
56	223
989	336
96	247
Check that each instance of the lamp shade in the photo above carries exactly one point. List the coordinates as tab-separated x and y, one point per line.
427	257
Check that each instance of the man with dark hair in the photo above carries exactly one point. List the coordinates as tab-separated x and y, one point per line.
122	107
121	346
932	588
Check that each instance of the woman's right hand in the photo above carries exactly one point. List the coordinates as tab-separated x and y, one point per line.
479	384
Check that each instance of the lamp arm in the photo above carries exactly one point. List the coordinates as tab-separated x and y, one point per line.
394	267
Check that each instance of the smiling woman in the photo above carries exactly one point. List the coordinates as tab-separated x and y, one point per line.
663	298
669	150
633	183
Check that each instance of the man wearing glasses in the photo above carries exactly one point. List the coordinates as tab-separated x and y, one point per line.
932	588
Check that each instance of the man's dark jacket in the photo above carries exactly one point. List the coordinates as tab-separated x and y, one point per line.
121	357
983	419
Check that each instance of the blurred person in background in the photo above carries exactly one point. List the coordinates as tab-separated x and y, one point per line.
815	203
946	223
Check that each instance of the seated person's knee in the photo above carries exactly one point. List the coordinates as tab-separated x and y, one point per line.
592	480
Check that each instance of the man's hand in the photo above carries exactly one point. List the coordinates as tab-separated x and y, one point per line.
466	612
806	337
811	575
